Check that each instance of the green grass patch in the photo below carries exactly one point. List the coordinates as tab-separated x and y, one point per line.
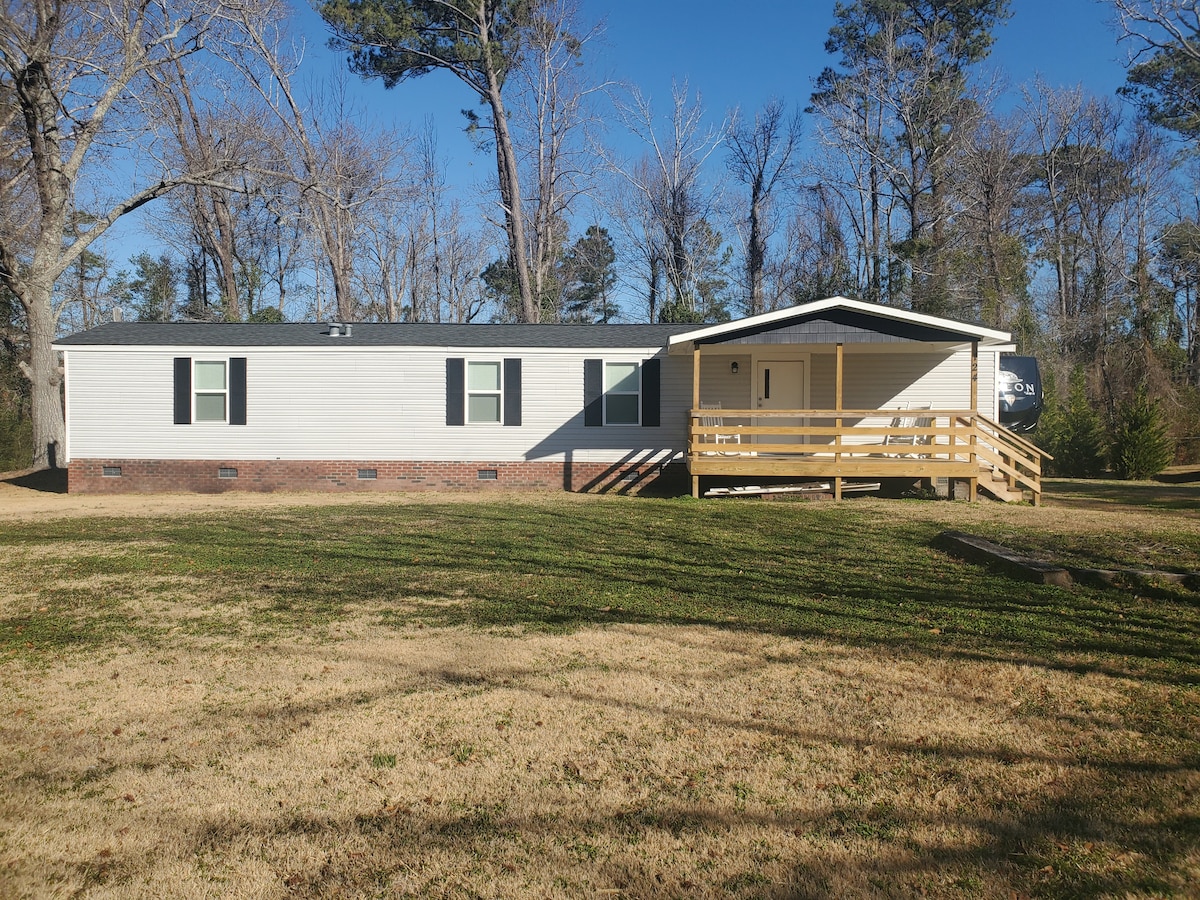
848	572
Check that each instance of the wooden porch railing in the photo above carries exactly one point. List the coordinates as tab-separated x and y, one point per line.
879	443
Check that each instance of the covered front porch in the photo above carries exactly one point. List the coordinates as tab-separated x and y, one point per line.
846	391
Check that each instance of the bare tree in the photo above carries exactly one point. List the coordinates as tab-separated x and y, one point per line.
478	42
898	107
400	246
992	232
550	113
638	237
351	172
1179	263
669	184
815	262
463	254
340	165
200	136
762	157
854	162
76	72
384	269
1164	39
1051	115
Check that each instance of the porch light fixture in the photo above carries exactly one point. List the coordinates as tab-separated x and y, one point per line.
733	367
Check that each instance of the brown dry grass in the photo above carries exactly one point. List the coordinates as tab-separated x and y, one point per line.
638	761
19	503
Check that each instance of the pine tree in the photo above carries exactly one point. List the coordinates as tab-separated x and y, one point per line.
1073	434
154	287
1141	445
589	278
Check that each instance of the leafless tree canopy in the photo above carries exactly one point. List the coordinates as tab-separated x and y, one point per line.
1067	218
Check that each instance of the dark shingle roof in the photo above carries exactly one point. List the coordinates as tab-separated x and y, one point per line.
366	334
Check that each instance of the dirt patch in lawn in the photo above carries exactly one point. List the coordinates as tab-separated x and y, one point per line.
19	502
623	761
1104	501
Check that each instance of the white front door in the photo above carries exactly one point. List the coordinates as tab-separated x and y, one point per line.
780	385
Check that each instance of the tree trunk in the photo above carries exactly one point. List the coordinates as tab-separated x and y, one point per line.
876	276
652	292
215	232
510	195
343	294
45	379
756	255
210	206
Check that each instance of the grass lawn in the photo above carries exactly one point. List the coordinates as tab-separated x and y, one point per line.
562	696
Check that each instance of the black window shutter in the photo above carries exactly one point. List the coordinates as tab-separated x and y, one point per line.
593	392
651	392
183	390
456	391
512	392
237	390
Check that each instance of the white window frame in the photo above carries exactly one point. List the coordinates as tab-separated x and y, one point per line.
498	393
210	392
637	367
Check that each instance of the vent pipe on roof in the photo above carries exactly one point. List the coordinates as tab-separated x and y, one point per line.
118	313
349	330
335	329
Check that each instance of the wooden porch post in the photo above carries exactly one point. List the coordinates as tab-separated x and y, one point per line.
837	423
973	484
974	376
695	406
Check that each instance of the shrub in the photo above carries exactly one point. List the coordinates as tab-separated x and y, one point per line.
1141	445
1073	434
16	440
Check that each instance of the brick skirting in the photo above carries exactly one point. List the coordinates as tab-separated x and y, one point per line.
215	476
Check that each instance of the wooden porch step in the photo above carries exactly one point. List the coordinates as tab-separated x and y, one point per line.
996	484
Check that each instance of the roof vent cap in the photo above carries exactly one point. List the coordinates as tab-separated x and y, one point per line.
335	329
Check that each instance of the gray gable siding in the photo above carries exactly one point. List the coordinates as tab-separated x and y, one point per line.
839	327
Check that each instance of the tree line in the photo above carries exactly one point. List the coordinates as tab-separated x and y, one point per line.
903	174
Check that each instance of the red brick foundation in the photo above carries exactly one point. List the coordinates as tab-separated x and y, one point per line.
205	476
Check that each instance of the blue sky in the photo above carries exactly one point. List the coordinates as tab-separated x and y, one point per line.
780	49
731	61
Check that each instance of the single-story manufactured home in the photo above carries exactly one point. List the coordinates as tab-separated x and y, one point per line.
836	389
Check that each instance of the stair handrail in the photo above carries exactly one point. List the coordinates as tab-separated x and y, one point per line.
1022	453
1012	437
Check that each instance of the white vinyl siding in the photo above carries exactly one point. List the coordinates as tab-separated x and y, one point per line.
941	379
368	404
719	384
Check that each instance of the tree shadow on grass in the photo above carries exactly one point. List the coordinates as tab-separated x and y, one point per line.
46	481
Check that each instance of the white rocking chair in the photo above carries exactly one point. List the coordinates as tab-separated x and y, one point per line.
718	438
910	440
